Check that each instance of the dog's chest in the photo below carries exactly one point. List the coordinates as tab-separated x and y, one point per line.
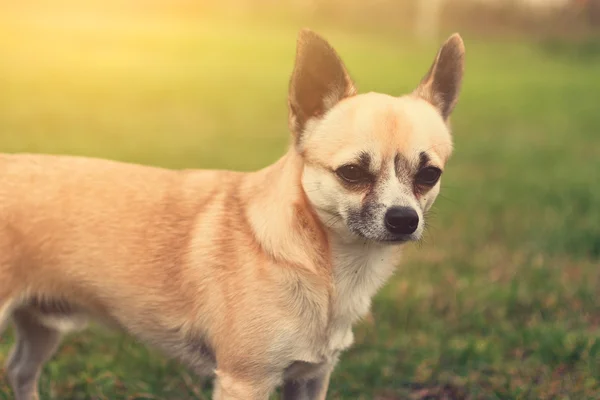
359	271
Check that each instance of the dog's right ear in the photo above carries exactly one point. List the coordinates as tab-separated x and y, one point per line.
319	81
441	86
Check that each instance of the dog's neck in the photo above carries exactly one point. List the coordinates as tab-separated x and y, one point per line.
282	219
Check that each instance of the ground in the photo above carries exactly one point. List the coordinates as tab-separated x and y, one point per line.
502	298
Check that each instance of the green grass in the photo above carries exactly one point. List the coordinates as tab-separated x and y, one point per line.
501	301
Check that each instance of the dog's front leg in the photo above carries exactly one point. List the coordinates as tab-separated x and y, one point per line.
311	389
234	387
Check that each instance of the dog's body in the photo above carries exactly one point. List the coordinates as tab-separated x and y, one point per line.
255	277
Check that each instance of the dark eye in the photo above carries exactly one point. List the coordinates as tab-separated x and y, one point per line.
428	176
353	174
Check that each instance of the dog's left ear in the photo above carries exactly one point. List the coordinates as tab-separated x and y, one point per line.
441	86
319	81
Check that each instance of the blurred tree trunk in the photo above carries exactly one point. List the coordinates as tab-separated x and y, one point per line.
428	18
594	12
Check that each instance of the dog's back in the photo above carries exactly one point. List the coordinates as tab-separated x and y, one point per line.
67	223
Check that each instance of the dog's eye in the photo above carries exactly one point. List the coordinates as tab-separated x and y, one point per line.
353	174
428	176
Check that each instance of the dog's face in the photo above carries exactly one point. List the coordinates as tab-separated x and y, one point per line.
372	162
373	165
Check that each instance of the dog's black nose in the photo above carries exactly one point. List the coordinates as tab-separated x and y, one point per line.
401	220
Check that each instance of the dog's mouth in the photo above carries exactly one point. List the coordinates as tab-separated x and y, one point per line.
384	238
399	239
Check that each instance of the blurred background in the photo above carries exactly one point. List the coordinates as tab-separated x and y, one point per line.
502	298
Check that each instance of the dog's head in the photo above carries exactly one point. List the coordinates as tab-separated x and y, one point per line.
372	162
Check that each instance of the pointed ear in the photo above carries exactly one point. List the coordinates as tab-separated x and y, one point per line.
319	81
441	86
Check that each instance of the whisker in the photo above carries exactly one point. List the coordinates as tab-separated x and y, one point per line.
332	221
448	199
446	186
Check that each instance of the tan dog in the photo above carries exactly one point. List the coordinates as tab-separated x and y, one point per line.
257	277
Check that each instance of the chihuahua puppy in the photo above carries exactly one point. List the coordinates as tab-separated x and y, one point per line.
253	278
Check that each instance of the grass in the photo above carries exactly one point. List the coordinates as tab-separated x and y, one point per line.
501	301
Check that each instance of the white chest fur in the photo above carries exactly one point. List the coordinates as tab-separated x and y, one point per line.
359	271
